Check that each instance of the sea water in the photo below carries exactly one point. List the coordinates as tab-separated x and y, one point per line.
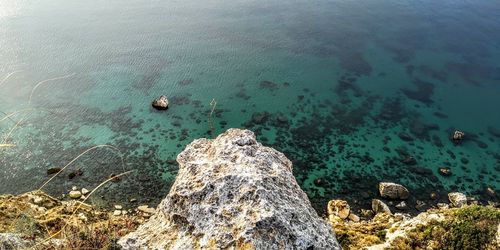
353	92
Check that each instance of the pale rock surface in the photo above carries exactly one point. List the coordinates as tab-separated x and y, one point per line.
10	241
457	199
233	193
379	206
402	227
338	208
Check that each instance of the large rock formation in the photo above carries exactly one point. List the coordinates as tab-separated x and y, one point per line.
233	193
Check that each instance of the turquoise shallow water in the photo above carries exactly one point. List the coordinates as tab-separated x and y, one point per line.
346	89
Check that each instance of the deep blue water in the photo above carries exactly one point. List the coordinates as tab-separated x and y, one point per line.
346	89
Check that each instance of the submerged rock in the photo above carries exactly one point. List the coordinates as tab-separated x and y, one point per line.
458	136
160	103
393	190
52	171
445	171
233	193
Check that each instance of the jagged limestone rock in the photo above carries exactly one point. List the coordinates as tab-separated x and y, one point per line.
233	193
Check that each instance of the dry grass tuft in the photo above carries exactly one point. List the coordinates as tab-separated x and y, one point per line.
211	126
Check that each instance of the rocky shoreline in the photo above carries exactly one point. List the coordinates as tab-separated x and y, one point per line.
232	192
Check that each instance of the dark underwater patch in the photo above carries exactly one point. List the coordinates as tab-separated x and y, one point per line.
423	93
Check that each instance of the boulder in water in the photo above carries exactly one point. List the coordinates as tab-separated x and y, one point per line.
161	103
458	136
393	190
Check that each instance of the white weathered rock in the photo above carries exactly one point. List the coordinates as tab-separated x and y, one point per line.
402	206
85	191
117	213
233	193
38	200
457	199
393	190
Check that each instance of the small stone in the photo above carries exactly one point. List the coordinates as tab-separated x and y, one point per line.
402	206
339	208
420	206
52	171
445	171
85	191
408	160
117	213
133	200
380	207
82	217
319	182
393	190
38	200
146	209
113	177
75	173
442	205
434	196
457	199
458	135
353	217
490	191
124	212
74	188
367	213
118	207
75	194
405	137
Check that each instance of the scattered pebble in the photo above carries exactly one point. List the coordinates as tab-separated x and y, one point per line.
75	194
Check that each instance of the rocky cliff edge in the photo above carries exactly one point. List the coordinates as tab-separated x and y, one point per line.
233	193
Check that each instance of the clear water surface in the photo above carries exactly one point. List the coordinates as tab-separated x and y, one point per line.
353	92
